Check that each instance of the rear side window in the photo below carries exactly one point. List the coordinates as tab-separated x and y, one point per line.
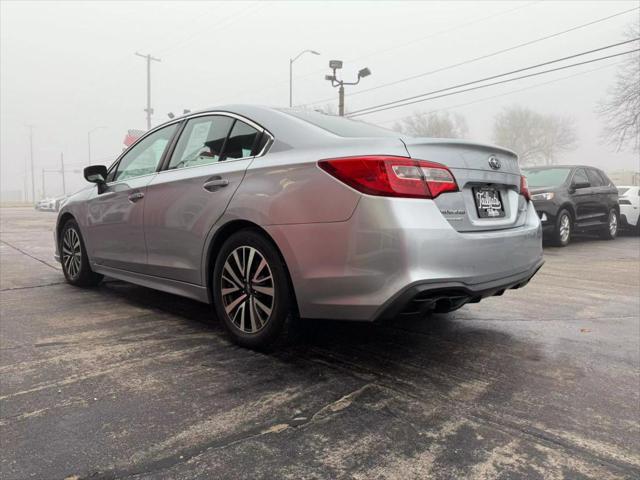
201	142
580	176
594	178
607	181
241	142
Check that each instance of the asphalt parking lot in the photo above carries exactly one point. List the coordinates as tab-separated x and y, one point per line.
125	382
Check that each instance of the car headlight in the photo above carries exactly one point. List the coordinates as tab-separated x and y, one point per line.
543	196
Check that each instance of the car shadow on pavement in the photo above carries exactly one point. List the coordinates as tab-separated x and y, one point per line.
450	348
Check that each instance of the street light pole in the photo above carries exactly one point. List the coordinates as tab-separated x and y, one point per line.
33	179
64	187
89	140
337	65
149	110
291	60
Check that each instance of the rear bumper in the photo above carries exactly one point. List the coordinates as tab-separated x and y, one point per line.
419	299
628	217
394	248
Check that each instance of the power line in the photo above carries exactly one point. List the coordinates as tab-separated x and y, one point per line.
482	57
511	92
375	52
499	83
406	99
230	19
432	35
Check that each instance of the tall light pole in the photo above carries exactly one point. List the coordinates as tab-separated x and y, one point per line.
64	186
33	179
149	110
291	60
337	65
89	140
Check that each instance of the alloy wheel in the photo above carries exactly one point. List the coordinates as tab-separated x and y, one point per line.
71	253
248	289
613	223
565	228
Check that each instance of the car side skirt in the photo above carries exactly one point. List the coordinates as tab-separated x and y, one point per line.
196	292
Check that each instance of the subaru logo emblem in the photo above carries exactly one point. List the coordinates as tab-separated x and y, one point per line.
494	162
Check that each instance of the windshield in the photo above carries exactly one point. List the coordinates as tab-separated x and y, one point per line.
546	177
341	126
622	190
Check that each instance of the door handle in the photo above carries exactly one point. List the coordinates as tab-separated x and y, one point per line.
134	197
215	184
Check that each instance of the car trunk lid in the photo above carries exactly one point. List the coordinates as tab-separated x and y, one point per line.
488	178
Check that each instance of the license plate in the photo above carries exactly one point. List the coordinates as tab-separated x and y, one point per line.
488	202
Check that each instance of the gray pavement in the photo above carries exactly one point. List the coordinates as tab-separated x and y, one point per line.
126	382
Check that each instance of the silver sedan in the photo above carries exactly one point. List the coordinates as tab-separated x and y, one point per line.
274	214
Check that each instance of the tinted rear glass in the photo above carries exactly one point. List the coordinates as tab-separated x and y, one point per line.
341	126
546	177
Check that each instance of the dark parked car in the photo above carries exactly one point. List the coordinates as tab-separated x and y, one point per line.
574	198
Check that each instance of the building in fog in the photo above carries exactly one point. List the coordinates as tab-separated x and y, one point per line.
624	177
11	196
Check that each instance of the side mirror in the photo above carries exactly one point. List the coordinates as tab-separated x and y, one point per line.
96	174
579	185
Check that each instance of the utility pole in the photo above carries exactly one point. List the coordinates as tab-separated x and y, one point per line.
33	177
336	65
149	110
64	187
25	181
43	191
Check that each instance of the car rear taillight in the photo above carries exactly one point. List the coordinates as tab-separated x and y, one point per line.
391	176
524	188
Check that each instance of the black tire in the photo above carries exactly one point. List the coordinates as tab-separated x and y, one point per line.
256	328
76	271
610	230
561	237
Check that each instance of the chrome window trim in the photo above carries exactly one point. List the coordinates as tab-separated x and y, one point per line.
223	113
246	120
167	170
186	118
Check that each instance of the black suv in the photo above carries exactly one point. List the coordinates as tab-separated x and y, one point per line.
573	197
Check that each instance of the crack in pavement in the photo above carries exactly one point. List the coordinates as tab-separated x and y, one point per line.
10	289
29	255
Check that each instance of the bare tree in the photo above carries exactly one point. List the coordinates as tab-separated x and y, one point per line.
621	109
434	124
536	138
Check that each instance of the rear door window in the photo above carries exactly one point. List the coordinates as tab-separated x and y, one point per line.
594	178
201	142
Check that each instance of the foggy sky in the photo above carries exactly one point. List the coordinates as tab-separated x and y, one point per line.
67	67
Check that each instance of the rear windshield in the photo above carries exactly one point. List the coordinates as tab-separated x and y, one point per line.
341	126
546	177
622	190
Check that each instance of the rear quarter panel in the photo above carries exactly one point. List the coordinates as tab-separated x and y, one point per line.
288	187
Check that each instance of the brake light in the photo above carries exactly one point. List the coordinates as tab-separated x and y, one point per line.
524	188
391	176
